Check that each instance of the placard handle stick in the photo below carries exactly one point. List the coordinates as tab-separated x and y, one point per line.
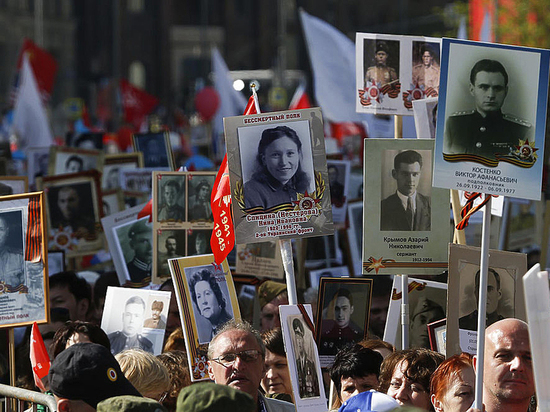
504	224
537	304
288	264
11	355
482	304
459	235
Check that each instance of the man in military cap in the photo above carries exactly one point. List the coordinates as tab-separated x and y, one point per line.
426	74
11	261
494	293
342	330
308	384
271	295
132	320
139	267
485	131
426	311
156	320
380	72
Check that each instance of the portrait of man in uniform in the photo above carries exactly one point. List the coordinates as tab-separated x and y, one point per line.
12	265
486	131
140	242
381	72
157	319
426	73
132	320
407	209
170	209
308	383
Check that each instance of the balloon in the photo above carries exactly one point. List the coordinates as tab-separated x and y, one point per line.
207	102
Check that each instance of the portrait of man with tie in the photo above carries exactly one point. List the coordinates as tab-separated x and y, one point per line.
406	209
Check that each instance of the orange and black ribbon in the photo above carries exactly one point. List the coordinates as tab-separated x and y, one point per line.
469	209
307	320
34	234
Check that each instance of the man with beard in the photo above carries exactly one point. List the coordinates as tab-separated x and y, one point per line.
171	246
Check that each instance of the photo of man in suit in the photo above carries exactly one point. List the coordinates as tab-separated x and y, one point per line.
406	209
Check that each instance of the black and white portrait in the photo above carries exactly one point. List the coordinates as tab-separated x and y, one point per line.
355	235
139	180
37	163
338	176
331	272
112	202
406	190
200	190
171	199
134	242
56	262
90	141
426	65
13	185
12	265
68	160
198	242
170	245
156	150
304	357
276	164
210	296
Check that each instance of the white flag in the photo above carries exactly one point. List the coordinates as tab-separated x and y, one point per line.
232	102
29	117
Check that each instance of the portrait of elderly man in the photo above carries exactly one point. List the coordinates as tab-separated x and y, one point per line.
407	209
341	330
12	265
132	321
426	73
170	209
494	294
485	131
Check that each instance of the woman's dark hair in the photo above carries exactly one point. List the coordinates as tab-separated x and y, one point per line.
202	183
421	364
273	341
300	179
206	276
64	333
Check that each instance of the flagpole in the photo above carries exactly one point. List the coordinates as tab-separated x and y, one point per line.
11	345
482	304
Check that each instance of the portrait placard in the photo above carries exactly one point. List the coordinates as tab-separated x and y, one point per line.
524	220
427	303
393	71
504	293
138	180
135	319
199	188
262	260
437	332
167	244
92	140
73	209
206	299
355	236
169	200
303	359
156	149
37	163
56	262
338	175
113	201
491	139
130	243
402	210
116	162
23	260
64	160
13	185
330	272
342	315
425	117
278	175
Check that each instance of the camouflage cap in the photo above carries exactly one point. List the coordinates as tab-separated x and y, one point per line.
269	290
212	397
139	227
130	403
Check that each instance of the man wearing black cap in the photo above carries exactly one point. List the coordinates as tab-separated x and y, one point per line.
380	72
132	320
140	235
85	374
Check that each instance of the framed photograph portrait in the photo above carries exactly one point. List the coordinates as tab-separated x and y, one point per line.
425	117
330	272
206	299
138	180
66	160
38	159
112	202
156	149
355	236
135	319
338	175
505	297
198	241
169	199
73	209
491	145
199	189
23	260
303	358
262	260
393	71
114	163
132	198
13	185
278	176
342	314
131	245
167	244
56	262
437	332
400	209
90	141
427	304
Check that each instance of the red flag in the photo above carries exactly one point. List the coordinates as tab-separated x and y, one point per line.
136	103
147	211
300	100
43	65
40	360
222	240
